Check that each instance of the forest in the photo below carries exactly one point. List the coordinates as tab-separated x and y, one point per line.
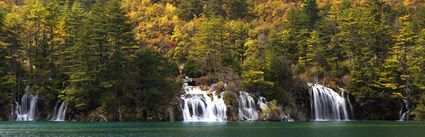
122	60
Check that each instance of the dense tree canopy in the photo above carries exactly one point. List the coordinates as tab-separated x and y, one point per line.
125	59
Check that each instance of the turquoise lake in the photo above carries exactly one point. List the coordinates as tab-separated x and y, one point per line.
224	129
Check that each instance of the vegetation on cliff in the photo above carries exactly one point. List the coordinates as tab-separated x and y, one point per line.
125	59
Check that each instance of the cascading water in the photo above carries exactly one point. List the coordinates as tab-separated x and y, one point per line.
199	106
326	104
404	110
347	99
59	113
207	106
25	111
262	103
247	107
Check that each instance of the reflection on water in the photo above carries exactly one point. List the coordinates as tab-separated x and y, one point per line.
220	129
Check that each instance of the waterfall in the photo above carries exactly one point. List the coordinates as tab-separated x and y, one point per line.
25	111
262	103
202	105
247	108
59	113
326	104
348	100
404	110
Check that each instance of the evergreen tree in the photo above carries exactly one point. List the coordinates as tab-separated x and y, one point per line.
235	9
106	57
6	80
417	67
315	58
279	68
397	75
253	77
310	14
234	49
189	9
156	89
67	31
417	70
121	39
364	52
88	61
213	8
211	38
13	52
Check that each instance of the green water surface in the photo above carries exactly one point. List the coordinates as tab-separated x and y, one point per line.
224	129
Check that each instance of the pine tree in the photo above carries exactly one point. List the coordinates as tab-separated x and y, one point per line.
36	12
213	8
13	50
211	38
310	14
234	48
189	9
156	89
315	58
235	9
253	68
68	30
279	67
397	75
365	54
88	58
121	39
417	70
417	67
6	81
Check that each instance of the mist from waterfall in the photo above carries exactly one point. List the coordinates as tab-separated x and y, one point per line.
202	105
59	112
25	110
247	107
326	104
